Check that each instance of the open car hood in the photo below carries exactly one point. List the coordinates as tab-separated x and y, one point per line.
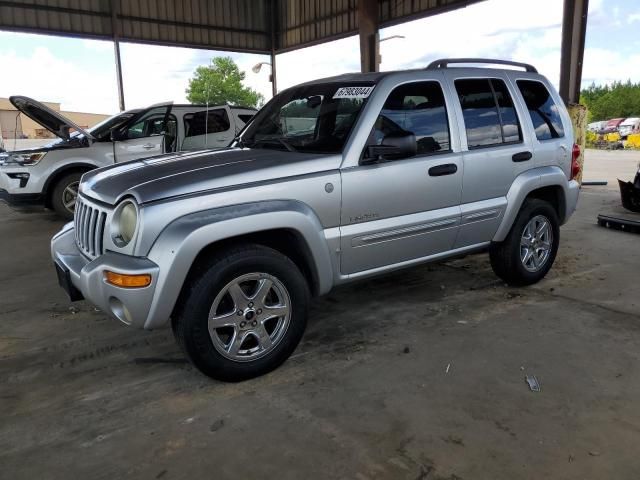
49	119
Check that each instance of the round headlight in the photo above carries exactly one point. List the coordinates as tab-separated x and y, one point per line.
126	223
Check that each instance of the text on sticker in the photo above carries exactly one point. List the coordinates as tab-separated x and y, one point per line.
353	92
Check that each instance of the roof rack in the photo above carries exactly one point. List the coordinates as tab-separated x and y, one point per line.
444	62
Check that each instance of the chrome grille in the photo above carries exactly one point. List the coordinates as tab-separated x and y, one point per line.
89	221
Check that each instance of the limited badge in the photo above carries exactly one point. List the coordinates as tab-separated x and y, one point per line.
353	92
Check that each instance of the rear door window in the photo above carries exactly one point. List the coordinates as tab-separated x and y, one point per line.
544	112
489	116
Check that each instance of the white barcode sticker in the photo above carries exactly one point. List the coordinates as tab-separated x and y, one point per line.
353	92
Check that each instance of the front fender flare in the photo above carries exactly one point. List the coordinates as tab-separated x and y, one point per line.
183	239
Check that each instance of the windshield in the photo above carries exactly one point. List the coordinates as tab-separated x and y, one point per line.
312	118
103	129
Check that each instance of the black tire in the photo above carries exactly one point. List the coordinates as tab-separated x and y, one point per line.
190	319
505	256
58	194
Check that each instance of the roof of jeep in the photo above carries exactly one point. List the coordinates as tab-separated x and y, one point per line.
353	77
375	77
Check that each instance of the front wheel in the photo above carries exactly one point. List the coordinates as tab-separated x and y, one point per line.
244	314
65	194
528	252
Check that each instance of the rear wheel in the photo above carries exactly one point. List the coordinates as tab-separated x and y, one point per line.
244	314
64	195
528	252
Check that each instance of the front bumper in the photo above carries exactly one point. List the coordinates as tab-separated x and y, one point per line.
21	199
17	191
129	305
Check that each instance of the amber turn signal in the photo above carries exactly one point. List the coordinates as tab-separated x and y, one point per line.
127	281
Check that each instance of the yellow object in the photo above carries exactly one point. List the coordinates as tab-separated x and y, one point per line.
612	137
578	114
633	141
127	281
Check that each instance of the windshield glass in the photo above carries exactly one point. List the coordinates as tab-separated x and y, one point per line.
312	118
103	129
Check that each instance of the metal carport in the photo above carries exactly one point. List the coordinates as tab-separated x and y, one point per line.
258	26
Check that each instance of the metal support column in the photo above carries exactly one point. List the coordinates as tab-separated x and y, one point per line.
574	29
115	28
369	36
274	87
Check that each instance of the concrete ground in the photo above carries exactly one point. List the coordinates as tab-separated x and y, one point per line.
610	165
417	375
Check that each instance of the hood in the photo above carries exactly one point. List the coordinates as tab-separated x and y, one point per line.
166	176
48	118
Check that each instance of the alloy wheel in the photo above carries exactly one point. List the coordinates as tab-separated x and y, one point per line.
70	195
249	317
536	243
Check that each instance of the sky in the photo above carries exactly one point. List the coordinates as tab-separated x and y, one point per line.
80	74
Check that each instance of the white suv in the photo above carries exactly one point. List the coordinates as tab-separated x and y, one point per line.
50	174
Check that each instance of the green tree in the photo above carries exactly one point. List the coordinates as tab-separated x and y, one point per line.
221	82
618	100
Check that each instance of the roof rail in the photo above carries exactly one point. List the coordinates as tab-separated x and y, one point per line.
444	62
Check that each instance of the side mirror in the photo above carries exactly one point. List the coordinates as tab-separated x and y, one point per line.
393	147
116	135
314	101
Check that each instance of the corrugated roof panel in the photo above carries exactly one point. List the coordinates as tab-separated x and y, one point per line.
308	22
65	17
240	25
393	12
305	22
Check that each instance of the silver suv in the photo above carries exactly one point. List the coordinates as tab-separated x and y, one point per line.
333	181
50	174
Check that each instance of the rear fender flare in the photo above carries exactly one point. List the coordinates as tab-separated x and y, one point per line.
522	186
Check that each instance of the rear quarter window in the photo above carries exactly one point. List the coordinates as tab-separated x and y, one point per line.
544	112
201	123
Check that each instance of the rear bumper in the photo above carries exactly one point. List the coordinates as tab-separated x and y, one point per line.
129	305
571	199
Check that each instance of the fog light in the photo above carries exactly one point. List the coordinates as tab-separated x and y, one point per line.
127	281
22	176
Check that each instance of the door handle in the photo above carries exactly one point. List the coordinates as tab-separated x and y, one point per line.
148	146
446	169
522	156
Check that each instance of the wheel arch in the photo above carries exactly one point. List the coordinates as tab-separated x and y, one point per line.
547	183
53	179
290	227
554	195
287	241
